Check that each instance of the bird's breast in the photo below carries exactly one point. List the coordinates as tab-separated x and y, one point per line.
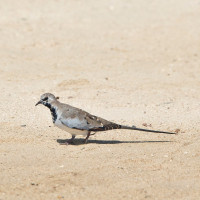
72	131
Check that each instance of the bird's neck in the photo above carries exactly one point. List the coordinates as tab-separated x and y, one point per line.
53	110
48	105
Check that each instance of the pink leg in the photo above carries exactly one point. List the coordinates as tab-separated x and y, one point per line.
86	139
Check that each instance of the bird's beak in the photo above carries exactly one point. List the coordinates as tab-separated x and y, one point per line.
39	102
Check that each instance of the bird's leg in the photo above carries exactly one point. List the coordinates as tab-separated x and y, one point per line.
70	141
86	139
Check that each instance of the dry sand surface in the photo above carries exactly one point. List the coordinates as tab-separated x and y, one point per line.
131	62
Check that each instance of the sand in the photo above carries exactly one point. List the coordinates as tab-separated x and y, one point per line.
131	62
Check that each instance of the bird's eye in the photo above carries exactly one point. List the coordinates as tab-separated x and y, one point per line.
45	98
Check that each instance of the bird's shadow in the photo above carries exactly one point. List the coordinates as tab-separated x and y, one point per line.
81	141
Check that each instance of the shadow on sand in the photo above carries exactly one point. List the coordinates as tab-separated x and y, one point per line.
81	141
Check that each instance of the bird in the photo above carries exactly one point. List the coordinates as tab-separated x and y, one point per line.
79	122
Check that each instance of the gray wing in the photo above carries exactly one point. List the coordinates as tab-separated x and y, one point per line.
79	119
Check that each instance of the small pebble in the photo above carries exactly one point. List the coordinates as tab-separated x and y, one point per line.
144	124
177	130
60	197
34	184
147	125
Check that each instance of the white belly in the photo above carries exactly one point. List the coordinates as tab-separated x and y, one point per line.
72	131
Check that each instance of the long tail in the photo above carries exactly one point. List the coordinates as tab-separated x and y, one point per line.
111	126
146	130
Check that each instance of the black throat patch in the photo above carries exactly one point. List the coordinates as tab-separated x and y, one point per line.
53	111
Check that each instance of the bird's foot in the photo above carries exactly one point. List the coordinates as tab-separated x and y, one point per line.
85	141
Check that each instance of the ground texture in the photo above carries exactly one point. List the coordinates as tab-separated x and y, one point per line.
131	62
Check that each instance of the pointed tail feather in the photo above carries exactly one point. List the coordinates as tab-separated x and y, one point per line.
145	130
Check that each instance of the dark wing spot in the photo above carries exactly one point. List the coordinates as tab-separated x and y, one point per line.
107	127
92	117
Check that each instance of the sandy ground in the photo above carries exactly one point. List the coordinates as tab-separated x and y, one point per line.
131	62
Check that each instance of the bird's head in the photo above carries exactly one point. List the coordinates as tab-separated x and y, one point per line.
46	99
